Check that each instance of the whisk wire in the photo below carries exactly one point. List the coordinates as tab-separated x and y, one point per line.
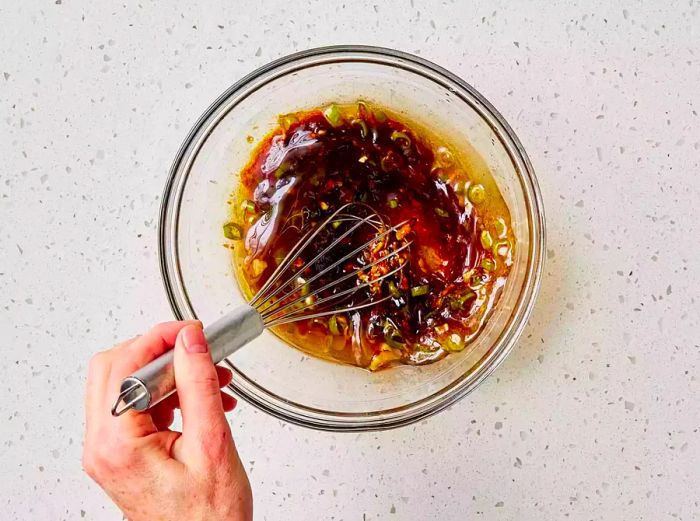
268	298
300	314
336	283
278	303
269	303
293	253
355	307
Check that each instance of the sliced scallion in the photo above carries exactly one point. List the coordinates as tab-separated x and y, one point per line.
401	138
454	343
393	203
333	115
363	127
500	226
488	264
287	120
363	109
393	289
258	266
458	304
486	240
476	194
441	212
333	325
501	248
233	231
444	157
392	336
381	359
419	291
476	281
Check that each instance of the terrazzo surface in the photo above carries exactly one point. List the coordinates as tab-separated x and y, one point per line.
596	413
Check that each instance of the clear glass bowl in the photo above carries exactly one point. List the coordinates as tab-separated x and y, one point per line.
198	273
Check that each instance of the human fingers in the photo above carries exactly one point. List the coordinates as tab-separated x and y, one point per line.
206	437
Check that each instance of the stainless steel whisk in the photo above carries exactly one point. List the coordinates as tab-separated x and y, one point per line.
294	298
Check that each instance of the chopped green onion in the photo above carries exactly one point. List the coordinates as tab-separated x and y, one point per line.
248	206
393	289
419	291
363	109
476	281
467	296
486	240
457	304
500	226
476	194
332	115
401	138
395	342
441	212
363	127
488	264
335	224
233	231
258	266
287	120
444	157
363	197
381	359
429	316
302	286
333	325
454	343
501	248
392	336
393	203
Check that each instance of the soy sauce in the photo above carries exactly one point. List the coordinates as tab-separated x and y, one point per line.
462	243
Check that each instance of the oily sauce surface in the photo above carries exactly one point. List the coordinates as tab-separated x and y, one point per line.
461	249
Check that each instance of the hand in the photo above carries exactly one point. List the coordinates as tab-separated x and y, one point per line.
149	471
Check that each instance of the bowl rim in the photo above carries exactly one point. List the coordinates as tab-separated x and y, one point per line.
414	411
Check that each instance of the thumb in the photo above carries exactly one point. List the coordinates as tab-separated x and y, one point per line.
206	436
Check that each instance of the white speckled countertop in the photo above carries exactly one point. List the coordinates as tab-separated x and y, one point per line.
595	415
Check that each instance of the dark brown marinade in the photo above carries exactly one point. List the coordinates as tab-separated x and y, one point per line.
461	249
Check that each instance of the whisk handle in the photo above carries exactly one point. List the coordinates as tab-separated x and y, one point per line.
156	381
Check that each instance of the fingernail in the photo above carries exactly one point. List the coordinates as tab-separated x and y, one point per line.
193	339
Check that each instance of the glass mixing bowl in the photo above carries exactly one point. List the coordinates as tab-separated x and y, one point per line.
198	273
